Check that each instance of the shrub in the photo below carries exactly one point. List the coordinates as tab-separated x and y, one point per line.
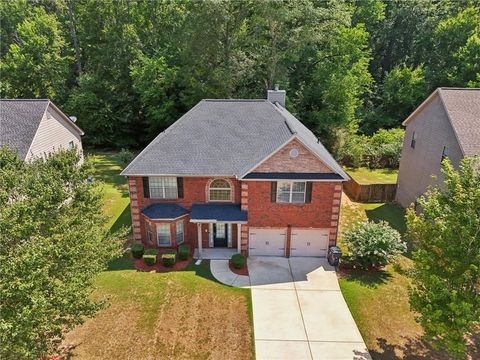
373	244
381	150
125	156
150	256
183	251
169	258
238	261
137	250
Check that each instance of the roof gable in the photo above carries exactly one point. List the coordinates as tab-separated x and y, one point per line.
462	107
19	121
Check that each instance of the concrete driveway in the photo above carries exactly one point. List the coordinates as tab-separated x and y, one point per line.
299	311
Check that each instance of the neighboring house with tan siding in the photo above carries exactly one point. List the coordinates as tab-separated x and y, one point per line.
446	124
37	128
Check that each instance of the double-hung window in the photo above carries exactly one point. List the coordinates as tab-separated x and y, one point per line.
291	192
163	235
163	187
220	190
149	233
180	236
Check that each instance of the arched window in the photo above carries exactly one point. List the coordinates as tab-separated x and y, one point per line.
219	190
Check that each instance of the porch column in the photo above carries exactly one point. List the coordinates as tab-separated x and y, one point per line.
199	236
239	238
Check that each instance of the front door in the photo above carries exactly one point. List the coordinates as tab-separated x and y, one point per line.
220	235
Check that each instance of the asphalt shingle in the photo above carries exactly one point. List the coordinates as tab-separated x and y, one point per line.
218	212
164	211
19	121
463	108
224	138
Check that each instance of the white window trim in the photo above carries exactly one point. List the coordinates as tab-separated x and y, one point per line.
176	232
163	187
230	188
169	235
291	192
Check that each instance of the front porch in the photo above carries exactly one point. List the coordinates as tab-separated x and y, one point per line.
221	224
215	253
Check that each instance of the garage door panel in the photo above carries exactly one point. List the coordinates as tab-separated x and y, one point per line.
267	242
309	242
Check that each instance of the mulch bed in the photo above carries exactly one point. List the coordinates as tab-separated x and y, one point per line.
158	267
242	271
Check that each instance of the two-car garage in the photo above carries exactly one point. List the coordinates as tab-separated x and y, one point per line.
273	242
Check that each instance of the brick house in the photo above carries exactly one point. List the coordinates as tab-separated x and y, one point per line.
446	124
239	174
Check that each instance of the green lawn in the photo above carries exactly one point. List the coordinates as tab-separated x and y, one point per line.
182	314
117	203
379	300
373	176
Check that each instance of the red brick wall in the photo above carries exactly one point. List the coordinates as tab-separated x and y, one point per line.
195	190
322	212
281	161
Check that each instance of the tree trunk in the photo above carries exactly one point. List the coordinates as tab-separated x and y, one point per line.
73	33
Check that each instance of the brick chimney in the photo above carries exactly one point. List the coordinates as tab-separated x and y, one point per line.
276	96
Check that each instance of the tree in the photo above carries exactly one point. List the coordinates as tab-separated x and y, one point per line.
446	237
331	101
35	66
373	244
53	242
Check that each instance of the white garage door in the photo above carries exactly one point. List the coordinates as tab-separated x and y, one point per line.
309	242
267	242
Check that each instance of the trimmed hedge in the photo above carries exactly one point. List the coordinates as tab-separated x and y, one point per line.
183	251
169	258
238	261
150	256
137	250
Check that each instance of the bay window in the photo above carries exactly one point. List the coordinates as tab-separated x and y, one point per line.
180	235
163	235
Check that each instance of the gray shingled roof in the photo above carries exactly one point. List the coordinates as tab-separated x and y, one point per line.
224	138
463	108
19	121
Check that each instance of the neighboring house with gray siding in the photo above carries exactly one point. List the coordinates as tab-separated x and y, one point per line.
37	128
446	124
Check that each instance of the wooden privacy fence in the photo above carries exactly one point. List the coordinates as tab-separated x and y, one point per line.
370	192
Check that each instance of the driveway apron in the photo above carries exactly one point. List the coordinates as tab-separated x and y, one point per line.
299	311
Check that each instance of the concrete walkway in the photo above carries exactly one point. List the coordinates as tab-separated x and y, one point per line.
221	271
299	311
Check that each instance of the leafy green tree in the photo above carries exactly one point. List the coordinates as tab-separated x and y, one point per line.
446	237
332	99
53	242
35	65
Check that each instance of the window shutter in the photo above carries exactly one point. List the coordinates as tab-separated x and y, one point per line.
308	192
146	187
180	187
273	192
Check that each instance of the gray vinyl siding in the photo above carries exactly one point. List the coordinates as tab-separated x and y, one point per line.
53	133
417	165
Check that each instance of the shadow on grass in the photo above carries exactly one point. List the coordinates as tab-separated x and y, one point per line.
391	213
368	278
122	263
413	349
202	270
125	219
